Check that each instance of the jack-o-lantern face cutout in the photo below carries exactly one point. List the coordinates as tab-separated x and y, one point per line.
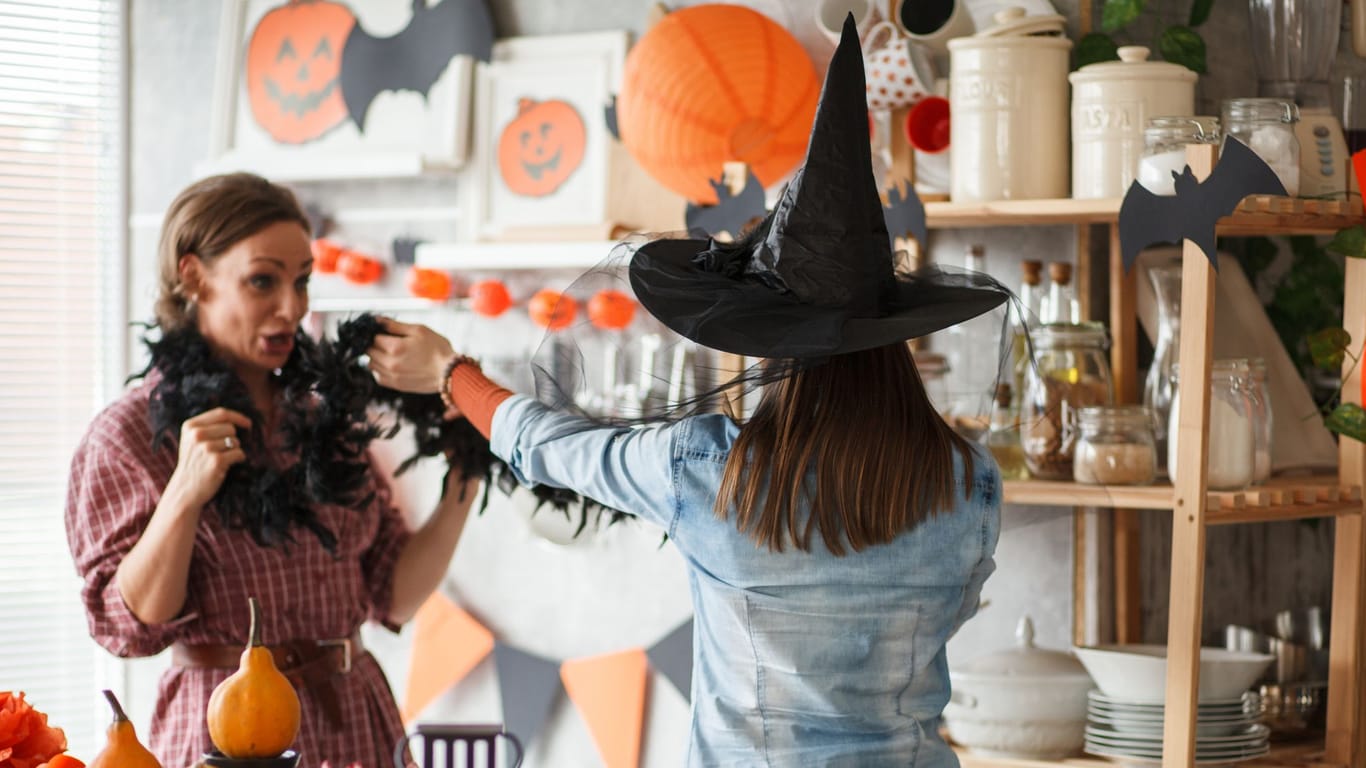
293	63
541	147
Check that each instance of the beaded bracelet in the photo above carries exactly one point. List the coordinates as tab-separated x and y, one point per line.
446	377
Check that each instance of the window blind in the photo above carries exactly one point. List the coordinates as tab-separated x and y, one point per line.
61	254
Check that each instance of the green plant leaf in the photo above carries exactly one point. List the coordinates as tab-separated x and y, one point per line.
1118	13
1328	347
1350	242
1200	12
1096	47
1184	46
1349	420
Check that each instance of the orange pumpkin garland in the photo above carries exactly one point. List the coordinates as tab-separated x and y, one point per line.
552	310
293	69
359	268
541	147
611	310
489	298
431	284
712	84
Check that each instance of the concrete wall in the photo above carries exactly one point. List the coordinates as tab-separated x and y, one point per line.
618	587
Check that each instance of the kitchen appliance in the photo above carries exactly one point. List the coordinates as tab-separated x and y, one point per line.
1294	43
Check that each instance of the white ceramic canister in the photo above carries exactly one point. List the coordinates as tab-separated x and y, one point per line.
1008	93
1111	104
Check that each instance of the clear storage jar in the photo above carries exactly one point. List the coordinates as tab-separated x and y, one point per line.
1070	371
1164	148
1231	464
1267	126
1115	446
1260	397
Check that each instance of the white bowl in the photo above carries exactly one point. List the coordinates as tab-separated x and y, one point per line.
1138	673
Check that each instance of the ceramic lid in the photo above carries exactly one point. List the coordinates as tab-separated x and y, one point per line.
1025	660
1133	64
1012	22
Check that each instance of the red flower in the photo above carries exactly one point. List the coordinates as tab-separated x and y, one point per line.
26	740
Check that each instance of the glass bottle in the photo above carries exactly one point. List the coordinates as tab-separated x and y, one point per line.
1003	437
1071	372
1160	385
1114	446
1060	305
1230	465
1164	149
1259	395
1267	127
1030	294
972	356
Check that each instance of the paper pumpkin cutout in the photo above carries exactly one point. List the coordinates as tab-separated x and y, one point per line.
609	692
541	147
447	644
713	84
293	69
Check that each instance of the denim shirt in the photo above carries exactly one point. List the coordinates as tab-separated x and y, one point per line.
799	658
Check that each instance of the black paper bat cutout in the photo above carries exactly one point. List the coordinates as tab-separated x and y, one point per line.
731	214
609	114
413	59
1145	218
905	214
405	250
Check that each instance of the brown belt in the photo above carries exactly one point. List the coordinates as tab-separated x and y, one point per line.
312	663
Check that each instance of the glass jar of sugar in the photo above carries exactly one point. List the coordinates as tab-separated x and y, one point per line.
1267	126
1231	464
1115	446
1164	148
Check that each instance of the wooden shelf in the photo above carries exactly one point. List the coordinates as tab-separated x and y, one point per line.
1282	756
1282	499
1260	215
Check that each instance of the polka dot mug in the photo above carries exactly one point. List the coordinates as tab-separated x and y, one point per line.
898	72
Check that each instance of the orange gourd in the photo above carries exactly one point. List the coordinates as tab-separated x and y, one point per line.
123	749
255	712
711	84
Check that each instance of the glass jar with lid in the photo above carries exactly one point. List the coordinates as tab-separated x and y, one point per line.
1164	148
1070	371
1267	126
1259	396
1115	446
1231	463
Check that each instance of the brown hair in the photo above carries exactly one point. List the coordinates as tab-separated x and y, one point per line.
206	219
882	456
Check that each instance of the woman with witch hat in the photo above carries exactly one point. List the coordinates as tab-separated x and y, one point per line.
839	536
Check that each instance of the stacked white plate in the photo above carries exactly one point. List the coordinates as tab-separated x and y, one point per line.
1227	730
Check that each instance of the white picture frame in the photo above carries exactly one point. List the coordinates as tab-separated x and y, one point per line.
582	71
405	133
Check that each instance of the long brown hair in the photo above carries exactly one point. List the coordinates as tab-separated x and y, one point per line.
882	456
206	219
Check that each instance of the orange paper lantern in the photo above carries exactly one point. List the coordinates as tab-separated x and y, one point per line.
489	298
713	84
552	310
611	310
430	284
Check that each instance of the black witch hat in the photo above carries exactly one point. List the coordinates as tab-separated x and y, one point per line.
816	277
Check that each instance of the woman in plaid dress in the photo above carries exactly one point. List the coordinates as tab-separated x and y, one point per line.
163	564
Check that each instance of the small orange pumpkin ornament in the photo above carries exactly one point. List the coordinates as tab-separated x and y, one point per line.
122	750
541	147
431	284
552	310
611	310
255	712
63	761
294	69
489	298
359	268
325	255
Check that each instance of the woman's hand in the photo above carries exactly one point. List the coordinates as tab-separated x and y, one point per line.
208	448
409	357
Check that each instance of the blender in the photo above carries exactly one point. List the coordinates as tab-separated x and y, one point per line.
1294	43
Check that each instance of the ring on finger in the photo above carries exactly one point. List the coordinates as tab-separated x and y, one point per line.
227	443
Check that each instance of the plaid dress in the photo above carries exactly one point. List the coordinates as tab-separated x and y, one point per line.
304	592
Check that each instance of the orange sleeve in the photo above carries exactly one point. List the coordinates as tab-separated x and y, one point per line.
476	396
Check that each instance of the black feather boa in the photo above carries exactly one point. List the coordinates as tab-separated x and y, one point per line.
328	396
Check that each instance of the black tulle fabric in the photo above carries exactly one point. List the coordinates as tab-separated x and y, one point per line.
332	410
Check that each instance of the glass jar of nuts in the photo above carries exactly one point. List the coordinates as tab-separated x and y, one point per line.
1070	371
1115	446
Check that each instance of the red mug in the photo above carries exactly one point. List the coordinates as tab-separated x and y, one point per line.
927	124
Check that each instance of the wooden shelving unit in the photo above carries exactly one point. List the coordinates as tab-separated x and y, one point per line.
1193	506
